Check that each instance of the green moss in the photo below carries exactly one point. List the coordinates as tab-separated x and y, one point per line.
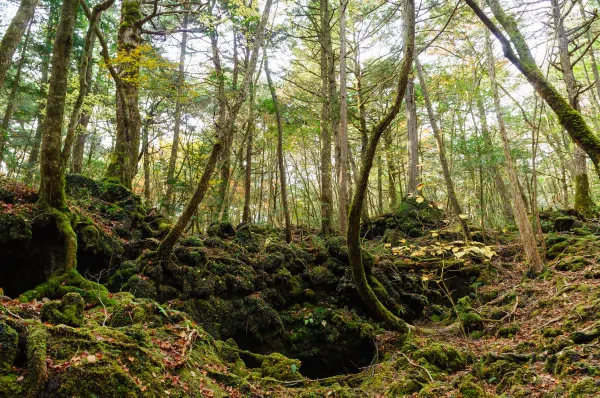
508	331
67	311
584	387
468	389
280	367
9	340
62	283
37	340
140	287
404	387
442	356
573	263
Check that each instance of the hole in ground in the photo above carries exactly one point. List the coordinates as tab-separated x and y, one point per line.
330	360
27	263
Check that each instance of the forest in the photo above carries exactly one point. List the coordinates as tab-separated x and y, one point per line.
299	198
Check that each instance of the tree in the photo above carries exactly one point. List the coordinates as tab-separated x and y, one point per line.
359	274
280	160
13	34
343	135
52	188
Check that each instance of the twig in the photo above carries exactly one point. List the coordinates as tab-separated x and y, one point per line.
418	366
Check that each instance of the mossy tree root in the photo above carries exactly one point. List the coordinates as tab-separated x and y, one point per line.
36	359
65	229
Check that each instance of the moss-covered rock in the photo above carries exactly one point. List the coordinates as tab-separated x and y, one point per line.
573	263
71	281
442	356
140	287
67	311
280	367
9	340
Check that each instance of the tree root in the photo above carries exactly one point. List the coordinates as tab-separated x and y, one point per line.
36	359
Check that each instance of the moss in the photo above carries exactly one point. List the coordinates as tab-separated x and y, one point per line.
573	263
67	311
404	387
280	367
37	340
10	386
551	332
62	283
9	340
584	387
140	287
468	389
434	390
442	356
508	331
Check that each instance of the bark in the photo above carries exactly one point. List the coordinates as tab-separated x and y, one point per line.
521	217
392	175
10	103
178	100
52	188
282	172
166	246
122	166
571	120
343	134
246	218
326	184
437	134
14	33
353	236
413	139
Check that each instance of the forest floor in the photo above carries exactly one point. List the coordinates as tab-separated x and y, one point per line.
238	313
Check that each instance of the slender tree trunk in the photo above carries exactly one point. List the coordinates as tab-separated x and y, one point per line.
14	33
343	135
413	139
12	97
248	172
521	217
353	236
122	166
175	144
52	188
146	157
437	134
387	139
282	173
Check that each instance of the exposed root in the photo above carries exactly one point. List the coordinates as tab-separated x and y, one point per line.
36	359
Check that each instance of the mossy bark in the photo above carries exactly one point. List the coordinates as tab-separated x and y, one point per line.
123	162
36	360
353	236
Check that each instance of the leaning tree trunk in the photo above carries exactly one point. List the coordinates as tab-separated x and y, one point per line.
521	217
122	166
437	134
354	250
13	35
52	188
571	120
282	172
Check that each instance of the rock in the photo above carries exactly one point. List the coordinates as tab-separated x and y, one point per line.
140	287
562	224
280	367
222	230
573	263
443	356
68	311
9	340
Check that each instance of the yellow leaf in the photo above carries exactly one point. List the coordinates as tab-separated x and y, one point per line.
420	186
387	245
460	254
420	199
463	216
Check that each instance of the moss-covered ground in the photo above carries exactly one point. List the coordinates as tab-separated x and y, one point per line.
241	314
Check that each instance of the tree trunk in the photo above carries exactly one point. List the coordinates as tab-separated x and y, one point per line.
14	33
175	144
413	139
326	185
343	135
10	103
52	188
282	173
387	138
521	217
353	236
246	218
122	166
437	134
